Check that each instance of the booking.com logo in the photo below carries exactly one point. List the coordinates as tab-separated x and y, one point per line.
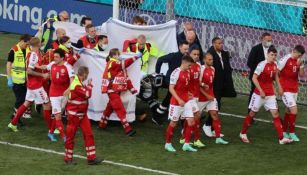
22	13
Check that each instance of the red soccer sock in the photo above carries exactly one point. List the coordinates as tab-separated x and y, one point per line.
286	122
278	127
18	114
292	119
217	128
184	127
188	133
52	128
196	129
47	117
59	125
246	123
169	134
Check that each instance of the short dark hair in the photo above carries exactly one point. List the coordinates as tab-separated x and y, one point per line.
64	39
193	47
138	19
89	26
215	39
187	58
59	51
299	48
100	37
272	49
265	34
183	42
25	37
207	54
85	18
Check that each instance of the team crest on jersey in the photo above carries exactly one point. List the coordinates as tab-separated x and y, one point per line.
62	71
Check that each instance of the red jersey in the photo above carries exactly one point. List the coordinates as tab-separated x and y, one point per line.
266	74
181	81
194	81
288	73
207	77
34	82
60	78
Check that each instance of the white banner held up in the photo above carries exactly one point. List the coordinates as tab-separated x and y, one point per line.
162	36
96	63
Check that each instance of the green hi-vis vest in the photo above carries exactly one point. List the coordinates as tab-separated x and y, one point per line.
18	71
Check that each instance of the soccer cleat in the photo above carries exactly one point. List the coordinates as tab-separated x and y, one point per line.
213	134
188	147
169	147
96	161
207	130
244	138
51	137
285	141
56	131
181	141
70	162
131	133
199	144
221	141
286	135
12	127
293	136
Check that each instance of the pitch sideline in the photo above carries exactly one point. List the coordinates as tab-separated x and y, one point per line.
83	157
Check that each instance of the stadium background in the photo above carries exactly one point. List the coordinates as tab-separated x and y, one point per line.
146	150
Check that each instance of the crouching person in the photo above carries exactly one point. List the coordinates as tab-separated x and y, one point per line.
76	115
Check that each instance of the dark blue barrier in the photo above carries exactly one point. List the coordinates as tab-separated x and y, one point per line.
25	16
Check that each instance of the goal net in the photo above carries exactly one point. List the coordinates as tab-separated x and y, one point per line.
239	22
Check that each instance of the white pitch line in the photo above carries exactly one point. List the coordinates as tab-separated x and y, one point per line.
257	119
83	157
3	75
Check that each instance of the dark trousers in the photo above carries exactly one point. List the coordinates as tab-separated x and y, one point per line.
168	95
251	93
20	91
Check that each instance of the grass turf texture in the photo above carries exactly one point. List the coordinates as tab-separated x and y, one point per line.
146	149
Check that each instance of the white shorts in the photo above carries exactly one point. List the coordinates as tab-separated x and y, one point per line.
208	105
289	99
269	103
175	112
58	104
193	103
39	96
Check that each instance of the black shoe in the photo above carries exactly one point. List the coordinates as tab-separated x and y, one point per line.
70	162
131	133
38	108
157	120
96	161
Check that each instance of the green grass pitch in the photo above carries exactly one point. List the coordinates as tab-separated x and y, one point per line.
146	149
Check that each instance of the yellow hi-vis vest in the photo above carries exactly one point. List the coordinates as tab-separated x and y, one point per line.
74	83
18	71
148	52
